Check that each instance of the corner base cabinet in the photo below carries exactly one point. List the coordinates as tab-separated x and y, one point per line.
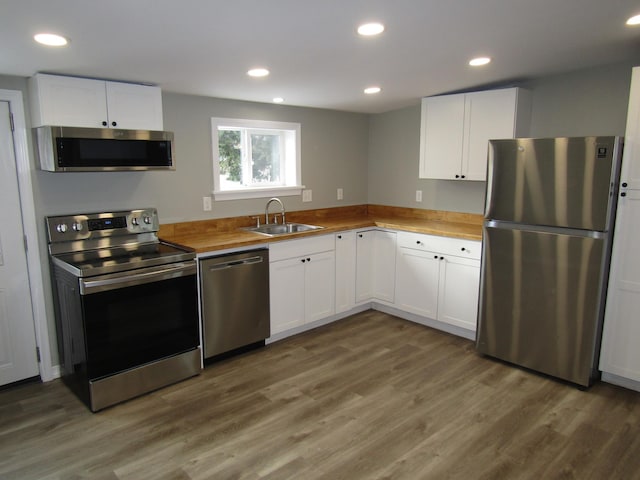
455	130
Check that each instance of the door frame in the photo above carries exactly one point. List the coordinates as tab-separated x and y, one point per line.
30	231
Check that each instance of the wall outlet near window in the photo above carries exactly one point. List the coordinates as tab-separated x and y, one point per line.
206	204
418	195
340	194
306	196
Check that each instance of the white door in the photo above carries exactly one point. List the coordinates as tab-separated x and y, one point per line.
417	279
320	286
17	335
286	290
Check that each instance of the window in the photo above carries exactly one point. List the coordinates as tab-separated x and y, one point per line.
253	158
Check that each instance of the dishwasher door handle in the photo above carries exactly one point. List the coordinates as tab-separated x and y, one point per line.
235	263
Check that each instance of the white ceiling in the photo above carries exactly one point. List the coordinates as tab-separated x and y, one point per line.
205	47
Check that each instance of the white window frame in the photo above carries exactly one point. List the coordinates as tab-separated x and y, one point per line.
291	162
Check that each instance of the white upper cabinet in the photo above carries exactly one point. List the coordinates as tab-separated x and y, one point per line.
82	102
455	130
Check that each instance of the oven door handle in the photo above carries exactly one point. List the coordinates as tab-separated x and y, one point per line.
130	279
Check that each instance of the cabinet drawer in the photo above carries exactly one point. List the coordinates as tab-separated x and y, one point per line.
304	246
443	245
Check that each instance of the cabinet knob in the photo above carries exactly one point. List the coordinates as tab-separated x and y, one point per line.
435	256
339	237
104	123
303	260
623	194
418	242
457	176
461	176
360	235
441	258
624	184
463	249
114	124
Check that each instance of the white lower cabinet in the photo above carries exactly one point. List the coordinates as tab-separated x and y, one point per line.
375	265
302	282
438	278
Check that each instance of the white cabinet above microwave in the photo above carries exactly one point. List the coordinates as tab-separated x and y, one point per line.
82	102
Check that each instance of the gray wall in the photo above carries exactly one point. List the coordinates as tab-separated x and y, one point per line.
588	102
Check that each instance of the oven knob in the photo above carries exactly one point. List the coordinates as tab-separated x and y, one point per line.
77	227
135	221
146	219
61	228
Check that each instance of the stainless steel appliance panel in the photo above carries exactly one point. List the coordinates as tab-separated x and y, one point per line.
563	182
235	301
540	300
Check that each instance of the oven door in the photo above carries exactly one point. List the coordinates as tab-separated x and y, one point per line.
137	317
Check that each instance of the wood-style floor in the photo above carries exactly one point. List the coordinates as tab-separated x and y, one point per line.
368	397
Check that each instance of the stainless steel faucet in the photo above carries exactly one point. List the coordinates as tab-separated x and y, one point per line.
266	211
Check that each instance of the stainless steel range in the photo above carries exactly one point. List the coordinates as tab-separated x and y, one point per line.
126	305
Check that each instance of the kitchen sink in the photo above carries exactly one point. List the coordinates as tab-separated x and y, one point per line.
274	229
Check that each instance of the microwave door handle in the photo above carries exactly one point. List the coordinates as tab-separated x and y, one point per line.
102	284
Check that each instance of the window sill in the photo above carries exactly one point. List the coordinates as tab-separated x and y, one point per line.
257	193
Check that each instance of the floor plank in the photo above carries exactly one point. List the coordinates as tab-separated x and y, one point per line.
369	397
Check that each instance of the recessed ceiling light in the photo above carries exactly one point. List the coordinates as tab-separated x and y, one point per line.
369	29
278	100
51	39
258	72
635	20
476	62
372	90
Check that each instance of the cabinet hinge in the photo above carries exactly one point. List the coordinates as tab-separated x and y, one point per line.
13	127
38	354
26	244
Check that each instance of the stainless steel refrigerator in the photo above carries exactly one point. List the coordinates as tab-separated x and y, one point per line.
549	215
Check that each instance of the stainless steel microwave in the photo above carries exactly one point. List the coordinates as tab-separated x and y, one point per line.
75	149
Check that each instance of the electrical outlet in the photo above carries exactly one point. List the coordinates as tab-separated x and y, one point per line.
206	204
418	195
306	196
340	194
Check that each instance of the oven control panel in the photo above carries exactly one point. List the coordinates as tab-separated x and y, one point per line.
66	228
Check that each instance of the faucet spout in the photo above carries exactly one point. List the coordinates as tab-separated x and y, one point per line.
266	210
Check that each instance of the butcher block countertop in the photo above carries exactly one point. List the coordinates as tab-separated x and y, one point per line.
222	234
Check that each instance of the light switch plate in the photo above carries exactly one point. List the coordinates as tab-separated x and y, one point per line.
340	194
306	195
418	195
206	204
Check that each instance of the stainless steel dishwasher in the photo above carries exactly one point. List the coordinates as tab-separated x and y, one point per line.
235	300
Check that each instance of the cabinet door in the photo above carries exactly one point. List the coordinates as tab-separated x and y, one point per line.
345	271
136	107
417	278
67	101
287	294
384	265
364	265
488	115
319	286
441	136
458	293
620	354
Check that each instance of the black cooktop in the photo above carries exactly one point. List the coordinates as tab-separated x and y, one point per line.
102	261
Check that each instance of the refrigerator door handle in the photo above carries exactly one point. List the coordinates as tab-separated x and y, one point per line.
576	232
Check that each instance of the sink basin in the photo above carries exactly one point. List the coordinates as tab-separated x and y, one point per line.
273	229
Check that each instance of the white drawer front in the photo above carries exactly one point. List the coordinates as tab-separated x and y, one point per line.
298	247
444	245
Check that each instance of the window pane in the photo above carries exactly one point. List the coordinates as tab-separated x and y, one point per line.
230	155
265	159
